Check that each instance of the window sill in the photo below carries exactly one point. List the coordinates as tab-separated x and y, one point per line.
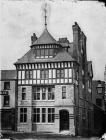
23	123
44	100
6	106
44	123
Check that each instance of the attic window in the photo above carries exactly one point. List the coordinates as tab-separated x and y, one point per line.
44	53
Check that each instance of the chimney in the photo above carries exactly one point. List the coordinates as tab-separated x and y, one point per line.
33	38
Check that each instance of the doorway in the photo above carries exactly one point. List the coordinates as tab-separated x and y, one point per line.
64	120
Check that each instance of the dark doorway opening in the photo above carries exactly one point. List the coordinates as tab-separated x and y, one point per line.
64	120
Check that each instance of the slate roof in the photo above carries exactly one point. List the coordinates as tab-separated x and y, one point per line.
8	74
45	38
29	57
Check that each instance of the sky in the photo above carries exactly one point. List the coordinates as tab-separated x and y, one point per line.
19	19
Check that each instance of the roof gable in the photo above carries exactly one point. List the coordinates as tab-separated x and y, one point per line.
45	38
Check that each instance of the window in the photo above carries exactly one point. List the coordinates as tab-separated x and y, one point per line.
99	102
44	53
6	100
51	51
43	114
99	89
28	74
36	115
44	74
23	115
60	73
23	93
44	93
64	92
51	112
6	85
50	93
36	93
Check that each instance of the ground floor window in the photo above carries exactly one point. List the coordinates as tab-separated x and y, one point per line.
23	115
43	115
50	115
36	115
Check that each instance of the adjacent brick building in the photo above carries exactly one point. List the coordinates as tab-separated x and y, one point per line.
8	87
98	99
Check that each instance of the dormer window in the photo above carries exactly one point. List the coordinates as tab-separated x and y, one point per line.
44	53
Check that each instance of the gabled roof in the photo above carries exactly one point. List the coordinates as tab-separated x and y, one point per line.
29	57
45	38
8	74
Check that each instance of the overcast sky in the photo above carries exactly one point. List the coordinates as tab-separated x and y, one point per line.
21	18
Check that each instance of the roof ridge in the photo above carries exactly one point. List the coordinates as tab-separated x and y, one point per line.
45	38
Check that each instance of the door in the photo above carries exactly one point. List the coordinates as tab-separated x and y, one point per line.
64	120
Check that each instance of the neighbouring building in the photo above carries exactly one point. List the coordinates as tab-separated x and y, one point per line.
98	99
8	87
105	82
54	85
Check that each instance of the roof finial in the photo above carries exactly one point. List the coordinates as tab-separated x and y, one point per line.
45	10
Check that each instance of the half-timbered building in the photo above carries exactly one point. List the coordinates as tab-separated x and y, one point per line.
53	85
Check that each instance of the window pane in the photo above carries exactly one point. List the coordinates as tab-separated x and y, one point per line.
38	110
23	96
38	89
25	117
46	52
21	117
23	89
21	110
42	74
43	114
30	74
38	53
6	100
62	73
38	117
25	110
49	110
64	92
6	85
42	52
64	89
43	96
51	52
34	117
46	74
